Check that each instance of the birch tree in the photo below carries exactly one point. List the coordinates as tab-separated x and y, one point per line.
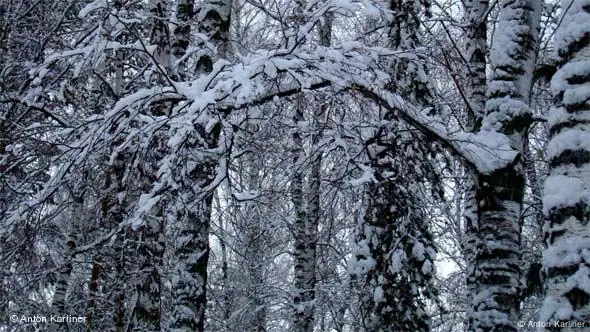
495	272
475	53
566	196
201	167
147	309
304	234
307	205
149	111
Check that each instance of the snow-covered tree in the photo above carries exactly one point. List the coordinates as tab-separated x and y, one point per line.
198	155
566	196
395	228
495	269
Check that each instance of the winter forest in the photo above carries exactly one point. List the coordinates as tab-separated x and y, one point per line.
295	165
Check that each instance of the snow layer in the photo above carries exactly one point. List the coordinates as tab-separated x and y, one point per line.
488	150
564	190
573	93
92	7
574	24
570	139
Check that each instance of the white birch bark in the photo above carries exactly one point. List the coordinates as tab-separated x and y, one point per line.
304	269
496	279
566	261
65	271
475	55
308	215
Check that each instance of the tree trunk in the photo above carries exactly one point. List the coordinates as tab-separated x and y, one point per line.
192	245
92	293
495	281
147	311
150	241
225	282
495	278
476	85
190	278
110	263
304	249
475	54
150	250
255	247
65	271
536	185
567	189
308	218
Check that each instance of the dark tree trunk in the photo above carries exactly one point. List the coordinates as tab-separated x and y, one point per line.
194	208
